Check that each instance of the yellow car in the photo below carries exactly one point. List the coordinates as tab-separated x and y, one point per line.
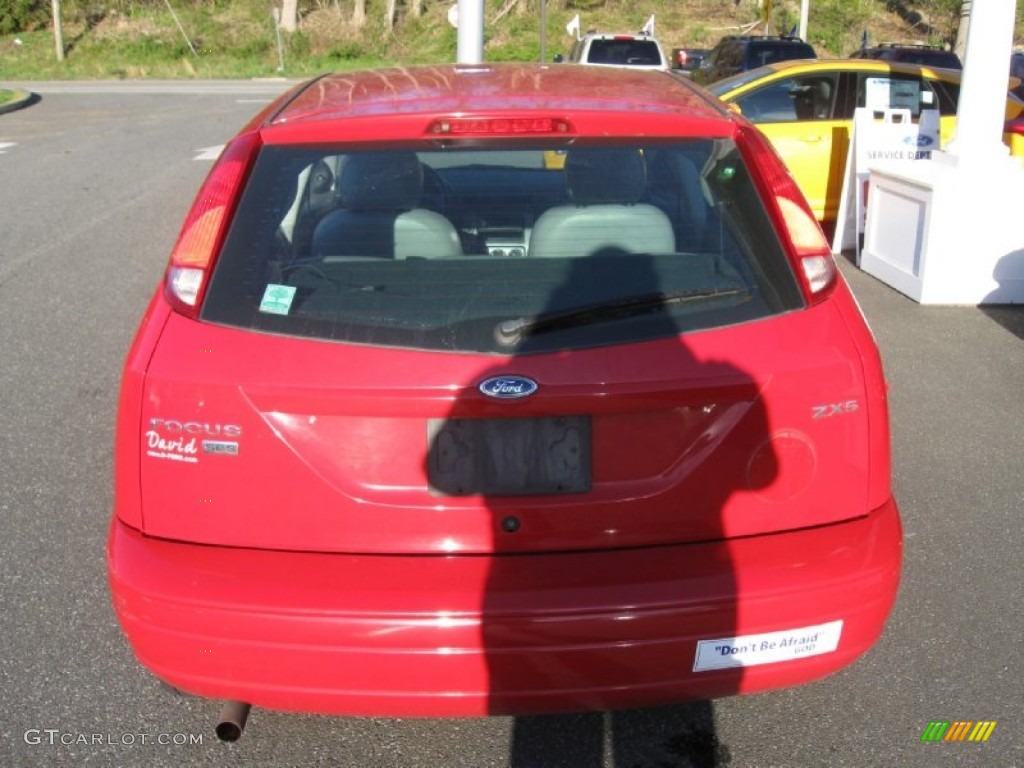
805	107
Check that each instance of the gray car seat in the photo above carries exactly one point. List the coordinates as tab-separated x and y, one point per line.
676	188
379	217
606	215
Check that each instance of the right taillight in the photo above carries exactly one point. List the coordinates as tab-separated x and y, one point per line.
805	243
206	224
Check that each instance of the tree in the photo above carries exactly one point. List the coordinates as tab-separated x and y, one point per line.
961	33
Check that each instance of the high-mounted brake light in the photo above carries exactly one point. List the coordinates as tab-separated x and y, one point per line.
206	224
809	249
499	126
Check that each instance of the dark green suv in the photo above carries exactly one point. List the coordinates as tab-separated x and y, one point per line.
911	53
738	53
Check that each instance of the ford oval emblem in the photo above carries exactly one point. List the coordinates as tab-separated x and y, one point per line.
508	387
921	140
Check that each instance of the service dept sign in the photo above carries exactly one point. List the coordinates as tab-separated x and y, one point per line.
884	132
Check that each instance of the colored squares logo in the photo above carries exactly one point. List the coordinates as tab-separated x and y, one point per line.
958	730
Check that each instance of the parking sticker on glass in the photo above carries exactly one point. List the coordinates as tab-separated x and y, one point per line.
277	299
767	648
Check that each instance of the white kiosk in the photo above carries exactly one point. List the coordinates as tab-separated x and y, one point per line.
883	131
949	230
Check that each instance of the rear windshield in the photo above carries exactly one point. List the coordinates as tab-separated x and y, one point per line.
762	54
638	53
932	58
500	250
929	58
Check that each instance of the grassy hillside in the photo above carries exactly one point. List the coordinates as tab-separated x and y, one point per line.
219	38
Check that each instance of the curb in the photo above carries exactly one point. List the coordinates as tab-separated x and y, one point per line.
21	99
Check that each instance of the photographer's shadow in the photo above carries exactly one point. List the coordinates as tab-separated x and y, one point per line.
567	625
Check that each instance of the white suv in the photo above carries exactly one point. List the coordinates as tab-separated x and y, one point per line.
636	51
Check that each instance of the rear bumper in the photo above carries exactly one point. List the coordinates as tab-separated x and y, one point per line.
436	636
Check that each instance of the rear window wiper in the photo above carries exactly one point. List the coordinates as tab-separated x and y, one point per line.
510	332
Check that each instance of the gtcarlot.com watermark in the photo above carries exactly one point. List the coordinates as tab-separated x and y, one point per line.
54	737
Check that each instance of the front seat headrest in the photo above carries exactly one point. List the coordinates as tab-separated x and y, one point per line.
381	181
603	175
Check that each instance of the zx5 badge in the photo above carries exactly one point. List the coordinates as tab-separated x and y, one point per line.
834	409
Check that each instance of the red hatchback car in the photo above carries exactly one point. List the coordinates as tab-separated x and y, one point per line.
421	422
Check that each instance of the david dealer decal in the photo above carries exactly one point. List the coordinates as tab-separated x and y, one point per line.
179	441
176	449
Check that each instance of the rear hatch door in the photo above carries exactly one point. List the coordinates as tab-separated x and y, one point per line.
258	440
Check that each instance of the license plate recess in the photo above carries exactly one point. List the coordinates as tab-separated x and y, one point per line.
509	457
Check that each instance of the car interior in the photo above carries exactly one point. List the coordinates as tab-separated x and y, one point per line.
379	214
429	246
606	189
404	204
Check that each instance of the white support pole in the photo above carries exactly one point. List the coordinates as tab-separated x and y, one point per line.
470	48
543	31
58	30
275	14
804	10
980	112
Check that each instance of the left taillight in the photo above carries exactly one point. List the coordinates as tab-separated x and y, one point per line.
806	244
206	225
